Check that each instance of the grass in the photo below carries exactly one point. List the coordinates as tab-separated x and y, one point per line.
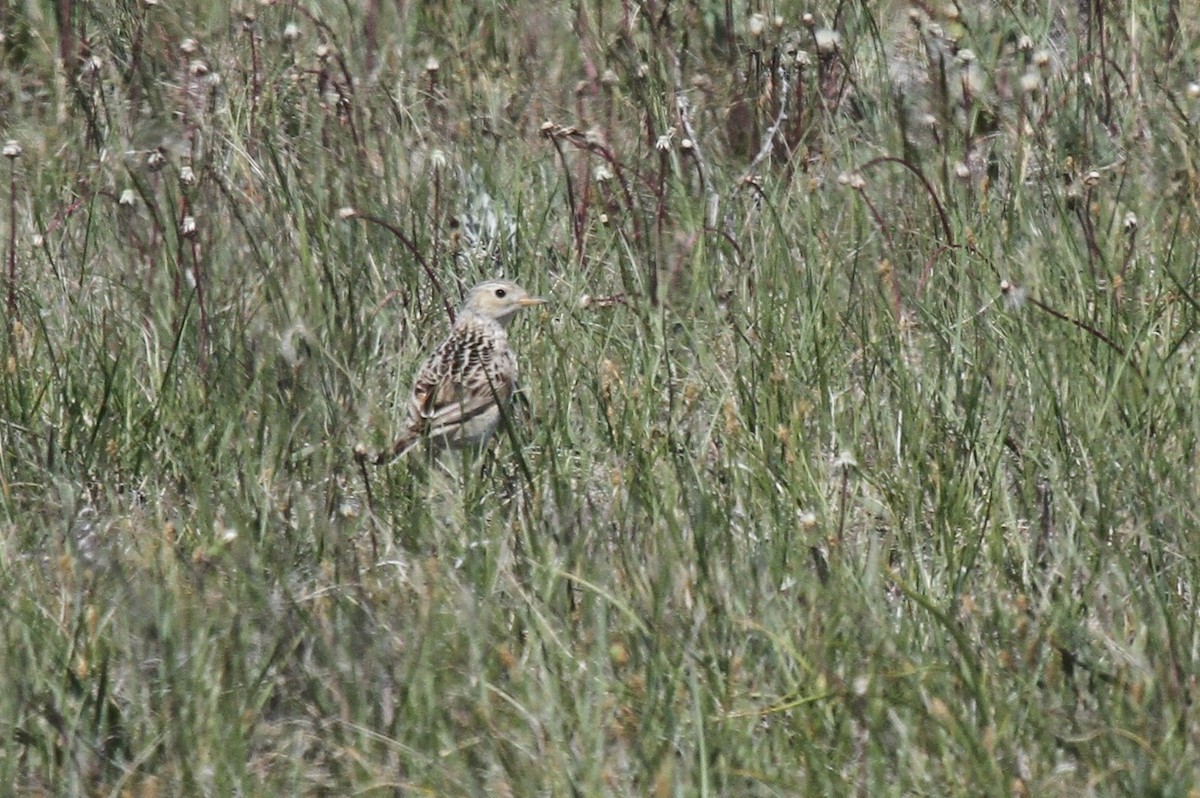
856	452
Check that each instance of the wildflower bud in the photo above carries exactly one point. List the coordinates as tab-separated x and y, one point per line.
585	301
803	59
1030	82
643	70
128	197
1041	59
187	228
609	79
198	68
156	159
1131	223
91	66
187	176
664	141
1092	179
914	16
602	173
962	171
966	55
37	240
432	65
686	145
189	46
1193	91
292	32
11	149
778	22
323	51
1025	44
809	21
951	12
347	212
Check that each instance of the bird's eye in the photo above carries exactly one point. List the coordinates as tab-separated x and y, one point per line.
500	293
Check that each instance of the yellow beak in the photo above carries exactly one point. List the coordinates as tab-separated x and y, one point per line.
530	300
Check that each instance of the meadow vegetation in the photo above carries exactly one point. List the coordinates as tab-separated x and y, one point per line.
856	449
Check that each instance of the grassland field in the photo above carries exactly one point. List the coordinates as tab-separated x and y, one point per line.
855	452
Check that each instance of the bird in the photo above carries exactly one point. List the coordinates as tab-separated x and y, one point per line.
458	392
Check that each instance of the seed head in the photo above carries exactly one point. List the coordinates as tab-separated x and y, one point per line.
11	149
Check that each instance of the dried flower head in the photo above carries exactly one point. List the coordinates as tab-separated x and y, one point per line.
852	179
11	149
828	41
187	228
1014	296
291	32
757	25
187	175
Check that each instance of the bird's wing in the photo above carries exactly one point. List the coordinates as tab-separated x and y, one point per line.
457	383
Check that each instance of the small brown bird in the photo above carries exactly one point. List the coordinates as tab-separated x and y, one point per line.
458	391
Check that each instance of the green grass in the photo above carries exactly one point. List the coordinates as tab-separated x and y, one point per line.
855	459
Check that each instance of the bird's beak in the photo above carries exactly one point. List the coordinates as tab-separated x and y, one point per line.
530	300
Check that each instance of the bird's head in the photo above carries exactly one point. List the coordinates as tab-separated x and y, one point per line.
498	300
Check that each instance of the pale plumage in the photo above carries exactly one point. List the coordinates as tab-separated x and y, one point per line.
458	391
